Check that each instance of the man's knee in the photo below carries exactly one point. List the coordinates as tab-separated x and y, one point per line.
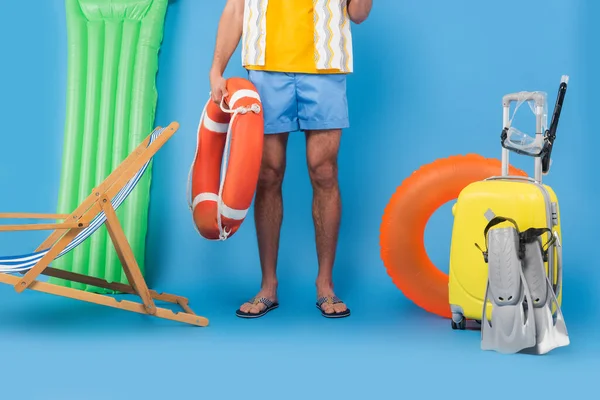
271	176
323	173
273	161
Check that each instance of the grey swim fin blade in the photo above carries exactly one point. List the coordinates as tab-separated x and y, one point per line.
512	327
550	333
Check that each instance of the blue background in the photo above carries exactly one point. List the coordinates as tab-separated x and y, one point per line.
429	77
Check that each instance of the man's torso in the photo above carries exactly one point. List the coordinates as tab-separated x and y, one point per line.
283	35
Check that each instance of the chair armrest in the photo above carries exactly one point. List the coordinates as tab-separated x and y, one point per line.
43	227
32	216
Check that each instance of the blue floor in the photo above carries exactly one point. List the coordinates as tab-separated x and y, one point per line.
388	348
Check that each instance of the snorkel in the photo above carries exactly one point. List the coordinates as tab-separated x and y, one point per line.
551	132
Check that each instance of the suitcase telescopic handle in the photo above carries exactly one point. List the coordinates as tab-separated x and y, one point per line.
542	162
538	97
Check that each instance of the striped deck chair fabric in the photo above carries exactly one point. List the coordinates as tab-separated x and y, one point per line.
25	262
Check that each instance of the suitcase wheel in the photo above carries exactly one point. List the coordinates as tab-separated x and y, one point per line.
462	325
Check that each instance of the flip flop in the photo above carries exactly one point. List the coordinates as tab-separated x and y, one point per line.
270	306
332	300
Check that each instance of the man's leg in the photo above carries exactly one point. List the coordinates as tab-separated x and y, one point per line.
323	113
280	110
322	150
268	216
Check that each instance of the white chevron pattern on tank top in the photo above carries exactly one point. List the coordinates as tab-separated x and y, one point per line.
332	35
254	35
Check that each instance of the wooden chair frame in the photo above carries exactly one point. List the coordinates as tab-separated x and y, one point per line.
64	232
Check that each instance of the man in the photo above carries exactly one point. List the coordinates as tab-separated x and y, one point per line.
298	53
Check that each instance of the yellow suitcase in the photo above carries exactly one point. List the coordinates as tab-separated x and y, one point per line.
529	202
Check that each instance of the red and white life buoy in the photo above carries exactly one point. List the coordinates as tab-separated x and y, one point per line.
225	170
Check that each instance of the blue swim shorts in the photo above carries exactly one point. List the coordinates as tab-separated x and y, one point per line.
299	102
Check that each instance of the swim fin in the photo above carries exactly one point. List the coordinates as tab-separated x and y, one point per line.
550	333
512	327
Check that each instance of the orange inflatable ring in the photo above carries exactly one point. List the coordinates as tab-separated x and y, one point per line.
225	170
406	216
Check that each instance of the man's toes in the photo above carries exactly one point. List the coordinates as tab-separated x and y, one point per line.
245	307
328	309
255	309
340	307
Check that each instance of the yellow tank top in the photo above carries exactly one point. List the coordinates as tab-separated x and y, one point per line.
286	32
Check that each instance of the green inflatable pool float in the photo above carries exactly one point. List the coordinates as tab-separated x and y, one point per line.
113	50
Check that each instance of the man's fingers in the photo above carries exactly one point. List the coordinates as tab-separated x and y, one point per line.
224	94
216	96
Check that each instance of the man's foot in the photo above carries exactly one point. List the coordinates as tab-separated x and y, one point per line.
331	306
258	306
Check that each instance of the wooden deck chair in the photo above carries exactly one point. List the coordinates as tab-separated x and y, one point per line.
97	209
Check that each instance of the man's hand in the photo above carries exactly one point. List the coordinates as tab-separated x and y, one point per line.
359	10
218	89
